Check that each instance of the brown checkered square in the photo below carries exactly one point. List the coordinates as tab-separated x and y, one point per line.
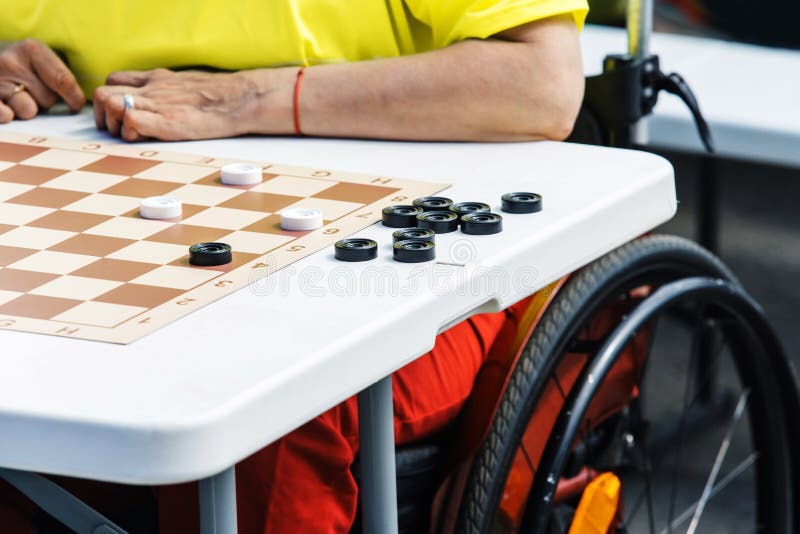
30	175
120	165
6	227
37	306
186	234
363	193
117	270
23	281
264	202
47	197
9	255
91	245
72	221
140	295
141	188
14	152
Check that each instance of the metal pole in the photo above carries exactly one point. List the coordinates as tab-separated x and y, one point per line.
59	503
378	476
218	503
640	27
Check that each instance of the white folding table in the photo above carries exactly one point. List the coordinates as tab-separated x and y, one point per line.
190	400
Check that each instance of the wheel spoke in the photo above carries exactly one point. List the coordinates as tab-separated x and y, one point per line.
723	483
687	401
721	453
648	475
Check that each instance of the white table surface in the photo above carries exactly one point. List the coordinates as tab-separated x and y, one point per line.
200	394
748	94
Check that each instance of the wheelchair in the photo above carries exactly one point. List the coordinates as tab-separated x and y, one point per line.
651	365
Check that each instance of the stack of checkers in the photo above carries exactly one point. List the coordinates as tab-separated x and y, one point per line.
420	221
234	174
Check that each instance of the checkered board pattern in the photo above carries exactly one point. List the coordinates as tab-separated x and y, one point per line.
76	259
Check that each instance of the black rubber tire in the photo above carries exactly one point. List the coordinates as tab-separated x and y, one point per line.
653	259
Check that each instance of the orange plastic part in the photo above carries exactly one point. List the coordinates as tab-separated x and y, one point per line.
598	506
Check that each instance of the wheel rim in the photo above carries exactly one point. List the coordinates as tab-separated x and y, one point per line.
753	399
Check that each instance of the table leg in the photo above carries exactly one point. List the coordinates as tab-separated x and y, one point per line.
378	477
218	503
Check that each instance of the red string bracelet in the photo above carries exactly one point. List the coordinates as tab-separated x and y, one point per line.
296	102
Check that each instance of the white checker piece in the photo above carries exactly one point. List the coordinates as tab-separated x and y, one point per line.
301	219
332	209
160	208
241	174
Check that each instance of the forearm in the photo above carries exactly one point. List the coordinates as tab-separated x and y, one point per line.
490	90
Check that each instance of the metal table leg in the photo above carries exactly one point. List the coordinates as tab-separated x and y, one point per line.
218	503
378	476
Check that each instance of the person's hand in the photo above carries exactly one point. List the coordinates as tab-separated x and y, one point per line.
173	106
32	78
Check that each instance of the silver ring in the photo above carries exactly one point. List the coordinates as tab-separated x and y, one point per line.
128	100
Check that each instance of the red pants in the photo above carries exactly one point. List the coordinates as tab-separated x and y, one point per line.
302	482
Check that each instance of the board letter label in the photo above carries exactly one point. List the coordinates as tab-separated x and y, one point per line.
91	146
383	181
37	140
330	231
365	215
260	265
148	153
7	322
223	283
320	174
185	301
67	330
145	320
295	248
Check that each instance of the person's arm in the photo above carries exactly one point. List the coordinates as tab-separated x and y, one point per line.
524	84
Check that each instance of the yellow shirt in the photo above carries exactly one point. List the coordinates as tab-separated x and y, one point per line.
101	36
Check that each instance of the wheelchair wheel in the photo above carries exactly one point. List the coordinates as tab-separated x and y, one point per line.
692	429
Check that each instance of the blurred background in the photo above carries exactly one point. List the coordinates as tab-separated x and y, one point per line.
758	213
